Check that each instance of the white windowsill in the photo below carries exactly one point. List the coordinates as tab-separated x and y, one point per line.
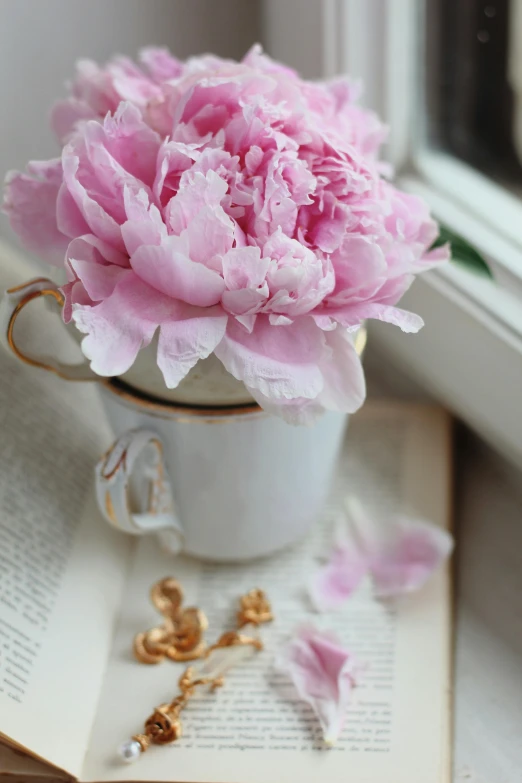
489	202
503	255
488	644
468	355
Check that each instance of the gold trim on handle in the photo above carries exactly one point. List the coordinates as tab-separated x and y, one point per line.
120	463
59	298
33	281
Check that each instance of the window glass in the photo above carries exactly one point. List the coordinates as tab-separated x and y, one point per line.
474	84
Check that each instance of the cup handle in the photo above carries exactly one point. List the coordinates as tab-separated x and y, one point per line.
11	304
133	492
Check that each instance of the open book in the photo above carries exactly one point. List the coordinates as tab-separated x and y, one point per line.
73	593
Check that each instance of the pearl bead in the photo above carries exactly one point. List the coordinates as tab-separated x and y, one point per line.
129	751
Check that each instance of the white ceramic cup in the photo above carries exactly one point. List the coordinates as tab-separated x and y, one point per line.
220	484
223	483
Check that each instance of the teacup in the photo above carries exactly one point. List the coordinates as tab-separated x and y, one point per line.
221	482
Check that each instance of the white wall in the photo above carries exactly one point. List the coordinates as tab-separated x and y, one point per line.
41	39
293	31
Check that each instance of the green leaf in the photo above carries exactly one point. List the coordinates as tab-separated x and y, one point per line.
462	252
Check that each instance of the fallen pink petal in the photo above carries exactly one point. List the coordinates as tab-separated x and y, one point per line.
324	675
400	554
334	583
406	555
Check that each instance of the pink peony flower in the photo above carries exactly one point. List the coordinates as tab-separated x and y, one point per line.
232	208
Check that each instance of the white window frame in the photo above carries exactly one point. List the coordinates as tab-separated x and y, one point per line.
471	358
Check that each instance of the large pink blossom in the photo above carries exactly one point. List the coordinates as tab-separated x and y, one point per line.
232	208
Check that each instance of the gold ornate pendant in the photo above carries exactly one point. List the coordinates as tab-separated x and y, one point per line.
232	648
179	637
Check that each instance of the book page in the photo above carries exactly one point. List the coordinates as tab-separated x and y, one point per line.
255	729
61	568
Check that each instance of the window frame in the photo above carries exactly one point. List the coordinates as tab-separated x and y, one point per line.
354	31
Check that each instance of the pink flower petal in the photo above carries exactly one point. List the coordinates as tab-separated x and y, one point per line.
344	387
280	320
255	58
129	142
405	554
243	267
299	412
102	162
335	582
210	235
160	63
106	252
392	290
324	322
119	326
434	257
125	321
30	202
66	114
100	223
244	272
134	88
174	158
245	301
169	270
323	673
353	315
69	219
344	384
191	335
280	361
298	279
360	268
196	191
400	554
145	225
86	261
93	85
247	321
